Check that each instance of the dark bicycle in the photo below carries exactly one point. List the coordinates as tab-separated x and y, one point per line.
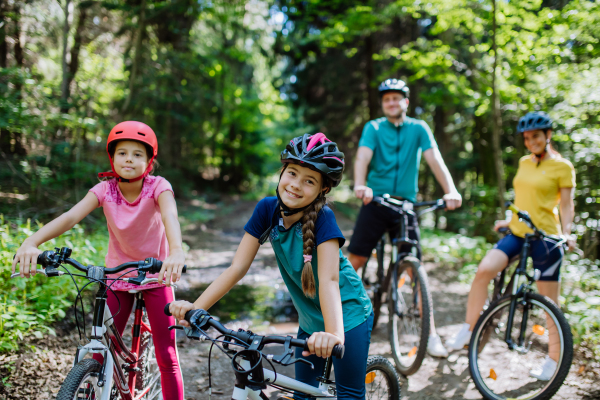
518	331
137	375
381	379
404	285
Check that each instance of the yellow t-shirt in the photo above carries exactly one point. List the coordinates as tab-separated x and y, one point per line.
537	191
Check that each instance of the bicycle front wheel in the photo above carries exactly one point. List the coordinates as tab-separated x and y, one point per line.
409	305
82	382
539	331
382	381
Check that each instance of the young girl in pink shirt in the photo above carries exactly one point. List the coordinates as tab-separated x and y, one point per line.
141	216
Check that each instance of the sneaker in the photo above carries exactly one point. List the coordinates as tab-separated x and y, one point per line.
460	340
435	348
545	371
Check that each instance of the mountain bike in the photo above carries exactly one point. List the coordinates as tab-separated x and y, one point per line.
381	380
518	330
126	374
405	286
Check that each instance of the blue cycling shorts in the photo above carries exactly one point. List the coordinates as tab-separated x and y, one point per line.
546	255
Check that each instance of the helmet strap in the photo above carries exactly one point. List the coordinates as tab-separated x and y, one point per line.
541	155
291	211
113	174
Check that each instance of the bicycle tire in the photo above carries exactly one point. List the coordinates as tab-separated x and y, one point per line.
420	338
83	371
567	347
149	373
380	366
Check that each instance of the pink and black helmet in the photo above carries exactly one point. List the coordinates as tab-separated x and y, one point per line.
318	153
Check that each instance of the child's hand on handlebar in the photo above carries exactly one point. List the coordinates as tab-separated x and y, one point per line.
26	257
172	267
179	308
321	344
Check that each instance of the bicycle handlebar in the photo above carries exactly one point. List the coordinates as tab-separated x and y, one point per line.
193	317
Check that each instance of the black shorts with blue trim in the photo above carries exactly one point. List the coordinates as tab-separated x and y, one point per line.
546	255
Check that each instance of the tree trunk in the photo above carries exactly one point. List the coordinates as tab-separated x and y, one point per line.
497	119
73	66
138	54
370	77
64	97
3	45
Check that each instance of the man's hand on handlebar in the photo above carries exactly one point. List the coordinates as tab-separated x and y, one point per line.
179	308
363	192
26	257
321	344
172	267
453	200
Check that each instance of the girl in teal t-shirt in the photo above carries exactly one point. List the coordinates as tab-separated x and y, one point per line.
332	304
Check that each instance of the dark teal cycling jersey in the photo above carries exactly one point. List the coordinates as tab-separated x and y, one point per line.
394	168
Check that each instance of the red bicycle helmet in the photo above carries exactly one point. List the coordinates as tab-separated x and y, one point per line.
131	130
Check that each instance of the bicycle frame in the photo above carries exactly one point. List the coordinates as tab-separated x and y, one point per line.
107	341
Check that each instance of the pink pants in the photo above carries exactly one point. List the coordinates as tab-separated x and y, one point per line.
164	340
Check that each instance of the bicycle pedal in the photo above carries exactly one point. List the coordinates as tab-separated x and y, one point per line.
129	369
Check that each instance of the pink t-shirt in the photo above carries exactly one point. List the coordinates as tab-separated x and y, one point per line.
135	230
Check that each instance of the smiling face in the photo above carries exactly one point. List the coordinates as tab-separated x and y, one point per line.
536	140
130	159
394	104
299	186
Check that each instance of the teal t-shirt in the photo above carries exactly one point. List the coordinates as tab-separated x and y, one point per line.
394	168
288	244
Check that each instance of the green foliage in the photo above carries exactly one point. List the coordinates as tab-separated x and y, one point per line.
453	249
28	307
581	300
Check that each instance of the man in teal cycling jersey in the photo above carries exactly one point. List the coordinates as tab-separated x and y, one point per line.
390	150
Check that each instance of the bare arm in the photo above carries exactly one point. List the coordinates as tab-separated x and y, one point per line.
567	212
442	175
322	343
361	166
239	267
172	266
27	254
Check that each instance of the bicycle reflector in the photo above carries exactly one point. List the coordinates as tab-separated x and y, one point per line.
370	377
412	351
401	283
493	374
538	330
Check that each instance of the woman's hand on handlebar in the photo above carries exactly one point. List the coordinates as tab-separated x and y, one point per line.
179	308
321	344
26	257
501	224
172	267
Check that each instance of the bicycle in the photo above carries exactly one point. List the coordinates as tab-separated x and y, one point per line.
514	333
382	381
405	284
138	377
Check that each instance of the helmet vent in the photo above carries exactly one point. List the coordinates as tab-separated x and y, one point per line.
140	133
116	133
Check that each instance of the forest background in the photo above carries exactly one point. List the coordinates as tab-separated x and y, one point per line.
225	83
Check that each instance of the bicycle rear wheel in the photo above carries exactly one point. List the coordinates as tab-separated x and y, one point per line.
382	381
82	382
501	373
409	305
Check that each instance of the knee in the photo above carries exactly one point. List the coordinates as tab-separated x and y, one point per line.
485	272
357	261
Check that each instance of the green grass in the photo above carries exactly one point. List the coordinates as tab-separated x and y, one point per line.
29	307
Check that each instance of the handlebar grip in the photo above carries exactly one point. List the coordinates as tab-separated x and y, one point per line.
167	312
156	268
503	230
337	351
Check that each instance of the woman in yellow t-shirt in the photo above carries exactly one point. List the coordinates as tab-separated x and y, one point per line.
544	180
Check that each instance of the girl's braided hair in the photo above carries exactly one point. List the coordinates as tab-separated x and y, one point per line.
308	235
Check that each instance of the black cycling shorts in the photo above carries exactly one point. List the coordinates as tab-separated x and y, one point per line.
373	221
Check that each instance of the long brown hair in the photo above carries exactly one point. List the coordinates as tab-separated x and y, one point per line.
308	234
